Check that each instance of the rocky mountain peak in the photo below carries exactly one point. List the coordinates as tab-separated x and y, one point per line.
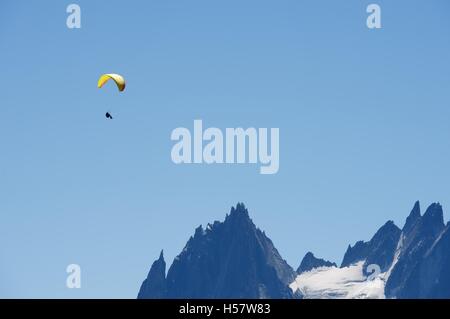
231	259
433	219
154	286
413	218
310	262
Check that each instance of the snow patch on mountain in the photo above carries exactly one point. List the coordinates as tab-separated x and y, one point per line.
339	283
398	251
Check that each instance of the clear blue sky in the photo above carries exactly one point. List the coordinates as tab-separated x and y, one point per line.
364	118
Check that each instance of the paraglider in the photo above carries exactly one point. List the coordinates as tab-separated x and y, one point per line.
118	80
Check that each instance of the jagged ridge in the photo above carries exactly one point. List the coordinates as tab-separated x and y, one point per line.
230	259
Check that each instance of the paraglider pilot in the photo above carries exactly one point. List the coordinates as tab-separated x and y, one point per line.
118	79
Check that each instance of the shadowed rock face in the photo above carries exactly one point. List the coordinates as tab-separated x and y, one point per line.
230	259
434	271
310	262
418	271
416	258
379	250
356	253
155	283
382	246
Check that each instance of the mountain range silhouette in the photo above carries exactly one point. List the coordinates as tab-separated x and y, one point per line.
235	259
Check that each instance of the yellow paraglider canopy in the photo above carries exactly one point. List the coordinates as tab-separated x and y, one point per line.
117	78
